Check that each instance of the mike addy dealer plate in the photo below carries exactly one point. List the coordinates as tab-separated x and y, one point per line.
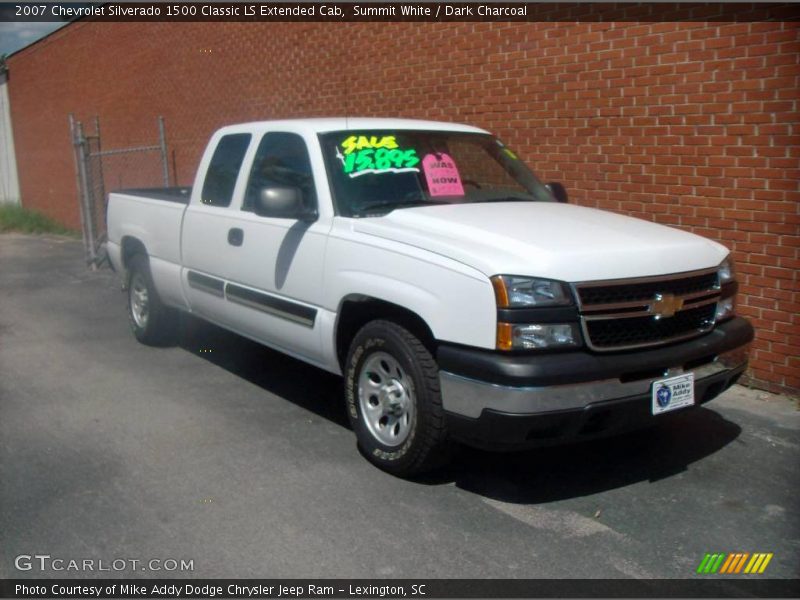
673	393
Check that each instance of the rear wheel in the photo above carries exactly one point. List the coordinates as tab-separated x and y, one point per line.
151	321
393	400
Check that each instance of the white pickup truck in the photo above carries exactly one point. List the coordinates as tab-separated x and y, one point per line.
462	299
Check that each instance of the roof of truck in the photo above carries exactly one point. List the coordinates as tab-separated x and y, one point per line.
322	125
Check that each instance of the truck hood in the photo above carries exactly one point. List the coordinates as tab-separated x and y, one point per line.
550	240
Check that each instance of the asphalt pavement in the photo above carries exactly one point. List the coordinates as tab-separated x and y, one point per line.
239	459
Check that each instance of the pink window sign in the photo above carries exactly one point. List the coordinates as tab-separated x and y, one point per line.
442	175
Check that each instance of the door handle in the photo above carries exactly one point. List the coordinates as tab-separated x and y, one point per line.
235	236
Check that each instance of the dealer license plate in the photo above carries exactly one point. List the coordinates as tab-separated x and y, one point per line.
673	393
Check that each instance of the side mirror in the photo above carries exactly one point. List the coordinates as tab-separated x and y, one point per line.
283	203
559	191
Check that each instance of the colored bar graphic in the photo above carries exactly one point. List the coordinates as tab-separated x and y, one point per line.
765	563
734	563
718	563
737	556
741	562
710	564
727	564
754	563
703	563
730	564
734	560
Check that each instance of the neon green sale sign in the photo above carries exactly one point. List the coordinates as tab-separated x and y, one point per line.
362	155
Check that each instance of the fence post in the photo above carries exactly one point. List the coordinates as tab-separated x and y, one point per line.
86	204
73	131
101	184
162	140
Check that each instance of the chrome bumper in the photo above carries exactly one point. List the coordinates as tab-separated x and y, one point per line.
470	397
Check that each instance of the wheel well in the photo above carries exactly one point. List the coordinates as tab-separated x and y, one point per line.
130	247
357	311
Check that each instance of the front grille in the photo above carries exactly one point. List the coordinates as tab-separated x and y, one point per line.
653	311
645	290
639	331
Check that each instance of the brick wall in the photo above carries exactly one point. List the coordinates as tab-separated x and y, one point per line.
693	124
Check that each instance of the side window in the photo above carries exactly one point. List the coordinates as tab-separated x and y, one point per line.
224	169
281	160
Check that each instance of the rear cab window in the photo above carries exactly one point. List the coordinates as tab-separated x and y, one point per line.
223	170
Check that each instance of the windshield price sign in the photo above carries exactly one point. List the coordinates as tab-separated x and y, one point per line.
362	155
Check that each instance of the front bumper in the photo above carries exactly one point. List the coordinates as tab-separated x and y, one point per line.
499	401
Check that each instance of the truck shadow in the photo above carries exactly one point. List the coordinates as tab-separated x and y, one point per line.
556	473
526	477
311	388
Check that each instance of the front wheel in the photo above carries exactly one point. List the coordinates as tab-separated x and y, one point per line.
393	400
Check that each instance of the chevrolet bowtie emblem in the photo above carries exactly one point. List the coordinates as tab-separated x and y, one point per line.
665	305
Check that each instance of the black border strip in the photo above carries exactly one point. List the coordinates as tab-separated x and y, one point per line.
204	283
698	587
278	307
458	11
555	314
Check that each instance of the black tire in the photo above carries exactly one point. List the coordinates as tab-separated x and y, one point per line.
414	372
155	324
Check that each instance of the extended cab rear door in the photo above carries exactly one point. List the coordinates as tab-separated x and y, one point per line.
259	276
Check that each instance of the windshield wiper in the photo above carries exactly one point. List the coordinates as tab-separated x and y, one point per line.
388	206
509	199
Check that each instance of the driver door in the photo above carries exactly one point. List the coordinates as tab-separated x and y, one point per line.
275	281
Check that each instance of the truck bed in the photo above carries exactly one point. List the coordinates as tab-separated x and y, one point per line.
170	194
152	216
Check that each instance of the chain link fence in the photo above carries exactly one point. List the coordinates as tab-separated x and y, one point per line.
101	170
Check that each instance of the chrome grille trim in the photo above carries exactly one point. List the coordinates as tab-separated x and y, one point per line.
640	307
592	308
644	313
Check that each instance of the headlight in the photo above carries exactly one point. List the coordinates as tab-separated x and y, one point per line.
528	336
725	271
512	291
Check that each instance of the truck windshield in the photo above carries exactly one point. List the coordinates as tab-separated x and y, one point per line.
375	172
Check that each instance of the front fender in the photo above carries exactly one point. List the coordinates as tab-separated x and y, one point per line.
456	302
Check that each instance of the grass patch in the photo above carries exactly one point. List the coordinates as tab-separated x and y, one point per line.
15	218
